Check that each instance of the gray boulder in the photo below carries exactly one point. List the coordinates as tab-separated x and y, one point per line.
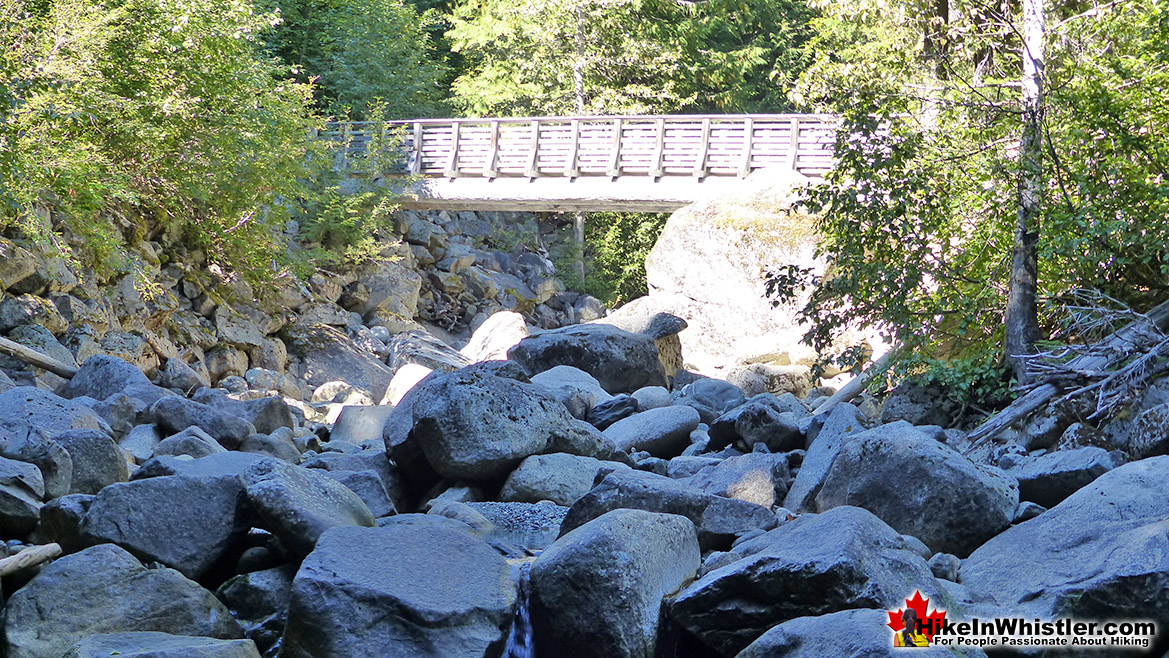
48	413
369	488
102	376
718	520
21	491
60	522
358	424
577	389
755	478
365	460
267	414
220	464
846	633
160	645
559	477
844	423
327	355
97	461
477	426
23	441
759	420
175	414
401	590
816	564
711	397
622	362
922	488
598	590
662	432
104	589
299	504
1050	478
194	525
191	442
1102	553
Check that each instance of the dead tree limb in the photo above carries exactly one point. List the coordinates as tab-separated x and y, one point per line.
31	556
1099	360
35	358
858	383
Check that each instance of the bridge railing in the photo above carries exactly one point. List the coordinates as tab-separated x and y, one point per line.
677	145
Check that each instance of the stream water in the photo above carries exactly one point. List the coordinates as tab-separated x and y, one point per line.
519	642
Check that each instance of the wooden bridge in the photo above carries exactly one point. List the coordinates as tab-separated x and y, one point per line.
642	163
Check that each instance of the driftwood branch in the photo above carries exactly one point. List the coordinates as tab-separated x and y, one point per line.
35	358
29	557
1108	352
858	383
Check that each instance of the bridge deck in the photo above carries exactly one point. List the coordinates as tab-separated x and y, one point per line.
586	163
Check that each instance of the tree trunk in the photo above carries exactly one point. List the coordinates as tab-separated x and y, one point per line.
578	64
1021	322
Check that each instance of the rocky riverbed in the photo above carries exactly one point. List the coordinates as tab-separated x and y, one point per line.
330	478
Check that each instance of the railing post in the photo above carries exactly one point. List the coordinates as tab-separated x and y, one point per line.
570	168
703	149
489	171
533	170
416	166
452	166
656	170
748	144
795	143
615	161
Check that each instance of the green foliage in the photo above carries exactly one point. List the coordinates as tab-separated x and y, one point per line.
918	215
362	53
134	115
616	246
632	56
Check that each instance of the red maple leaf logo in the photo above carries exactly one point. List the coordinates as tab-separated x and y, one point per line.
929	622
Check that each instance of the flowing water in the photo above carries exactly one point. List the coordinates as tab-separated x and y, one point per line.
519	643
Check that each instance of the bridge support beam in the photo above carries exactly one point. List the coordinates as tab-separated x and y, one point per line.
580	194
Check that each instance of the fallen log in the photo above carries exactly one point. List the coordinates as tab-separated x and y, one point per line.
29	557
35	358
1041	395
858	383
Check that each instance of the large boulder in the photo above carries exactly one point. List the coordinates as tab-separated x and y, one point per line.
104	589
48	413
401	590
621	362
21	490
103	376
559	477
597	591
191	524
705	267
861	632
299	504
757	478
923	488
473	425
146	644
718	520
1050	478
1103	553
662	432
266	414
577	389
97	460
327	355
816	564
393	287
24	441
491	341
844	423
174	414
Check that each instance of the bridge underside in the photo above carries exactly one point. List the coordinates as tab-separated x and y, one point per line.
580	194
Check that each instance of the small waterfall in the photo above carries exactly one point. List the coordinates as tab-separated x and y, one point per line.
520	642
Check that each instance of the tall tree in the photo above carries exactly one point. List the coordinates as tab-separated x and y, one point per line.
1021	320
628	56
931	220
